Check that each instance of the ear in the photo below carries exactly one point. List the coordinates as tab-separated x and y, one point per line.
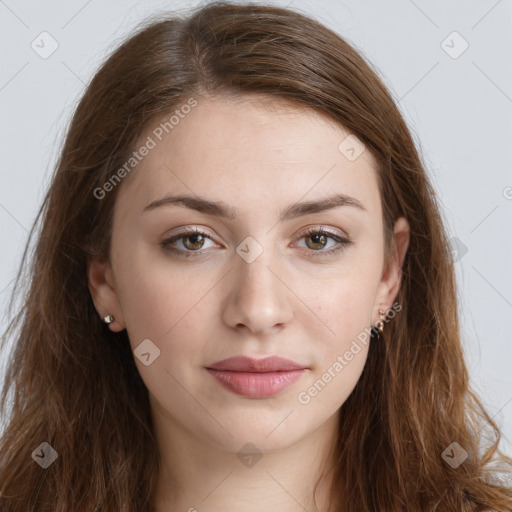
392	273
103	291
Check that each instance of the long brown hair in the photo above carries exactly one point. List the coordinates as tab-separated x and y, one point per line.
73	384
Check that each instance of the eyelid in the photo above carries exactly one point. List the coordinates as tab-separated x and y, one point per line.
324	229
188	230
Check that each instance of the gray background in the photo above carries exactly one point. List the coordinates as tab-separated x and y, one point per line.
457	105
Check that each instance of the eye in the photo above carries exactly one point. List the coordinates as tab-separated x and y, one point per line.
320	237
193	241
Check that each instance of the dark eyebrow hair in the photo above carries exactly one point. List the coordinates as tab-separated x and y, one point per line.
220	209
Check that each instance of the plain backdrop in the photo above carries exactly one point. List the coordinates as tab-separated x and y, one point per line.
447	64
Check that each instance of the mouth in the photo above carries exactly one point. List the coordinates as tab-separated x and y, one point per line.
256	378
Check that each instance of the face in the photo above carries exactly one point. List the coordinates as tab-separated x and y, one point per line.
194	287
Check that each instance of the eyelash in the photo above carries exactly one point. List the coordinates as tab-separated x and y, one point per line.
343	242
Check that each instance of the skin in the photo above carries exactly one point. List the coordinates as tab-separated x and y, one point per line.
208	307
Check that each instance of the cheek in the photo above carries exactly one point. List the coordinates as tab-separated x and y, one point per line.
341	349
342	304
158	298
168	310
330	386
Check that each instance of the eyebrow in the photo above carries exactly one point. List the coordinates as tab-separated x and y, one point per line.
220	209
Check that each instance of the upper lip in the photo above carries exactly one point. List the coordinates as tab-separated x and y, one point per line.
248	364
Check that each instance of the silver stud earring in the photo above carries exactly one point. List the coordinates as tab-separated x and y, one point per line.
108	319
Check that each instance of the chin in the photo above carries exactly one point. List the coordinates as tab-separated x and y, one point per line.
267	433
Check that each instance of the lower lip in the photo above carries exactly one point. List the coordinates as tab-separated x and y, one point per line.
256	385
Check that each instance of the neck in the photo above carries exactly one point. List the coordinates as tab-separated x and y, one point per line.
196	475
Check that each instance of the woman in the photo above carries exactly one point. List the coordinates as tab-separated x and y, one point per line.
242	294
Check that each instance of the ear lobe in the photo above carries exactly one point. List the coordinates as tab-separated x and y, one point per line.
103	292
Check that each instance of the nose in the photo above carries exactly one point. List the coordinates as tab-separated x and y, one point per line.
259	297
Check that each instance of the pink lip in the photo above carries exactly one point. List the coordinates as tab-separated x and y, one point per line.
256	378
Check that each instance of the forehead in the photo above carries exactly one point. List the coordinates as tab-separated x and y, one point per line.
250	147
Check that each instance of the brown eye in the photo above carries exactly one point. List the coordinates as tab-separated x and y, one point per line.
197	241
191	241
318	238
319	241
